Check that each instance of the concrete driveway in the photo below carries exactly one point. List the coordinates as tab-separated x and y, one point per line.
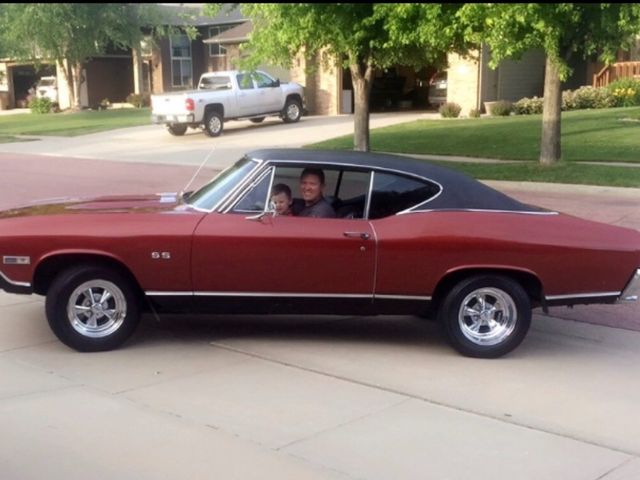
152	144
300	397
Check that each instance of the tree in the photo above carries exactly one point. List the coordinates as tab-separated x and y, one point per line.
362	37
564	31
71	33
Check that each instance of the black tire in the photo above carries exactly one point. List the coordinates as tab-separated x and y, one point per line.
502	327
292	111
92	329
257	120
177	130
213	124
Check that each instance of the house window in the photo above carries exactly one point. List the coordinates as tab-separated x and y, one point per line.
215	49
181	66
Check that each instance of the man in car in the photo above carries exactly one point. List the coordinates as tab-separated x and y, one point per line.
312	190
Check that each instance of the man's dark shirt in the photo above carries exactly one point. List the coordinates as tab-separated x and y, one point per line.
320	209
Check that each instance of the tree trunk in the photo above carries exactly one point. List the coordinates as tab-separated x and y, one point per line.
77	82
68	76
361	89
550	142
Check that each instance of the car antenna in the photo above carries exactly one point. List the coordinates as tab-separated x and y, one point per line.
195	174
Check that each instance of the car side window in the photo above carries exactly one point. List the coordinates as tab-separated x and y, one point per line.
256	197
244	81
263	81
394	193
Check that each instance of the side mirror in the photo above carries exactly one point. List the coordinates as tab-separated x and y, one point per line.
276	83
271	210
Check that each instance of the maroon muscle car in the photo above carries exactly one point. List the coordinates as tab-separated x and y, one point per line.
408	238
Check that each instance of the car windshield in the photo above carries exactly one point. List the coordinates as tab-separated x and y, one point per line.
210	195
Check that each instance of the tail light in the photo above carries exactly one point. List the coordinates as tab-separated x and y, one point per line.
189	105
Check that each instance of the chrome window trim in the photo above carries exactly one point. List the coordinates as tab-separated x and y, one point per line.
239	189
14	283
372	170
367	206
155	293
480	210
582	295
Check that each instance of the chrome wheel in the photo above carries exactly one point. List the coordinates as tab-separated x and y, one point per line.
215	124
96	308
293	111
487	316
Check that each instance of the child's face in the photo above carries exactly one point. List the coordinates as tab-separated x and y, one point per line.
282	202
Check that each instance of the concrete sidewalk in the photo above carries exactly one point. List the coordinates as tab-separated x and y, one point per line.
316	397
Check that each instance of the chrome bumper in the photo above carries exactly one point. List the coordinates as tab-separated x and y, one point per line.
170	119
631	292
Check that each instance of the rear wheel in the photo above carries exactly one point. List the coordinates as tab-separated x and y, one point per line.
485	316
213	124
92	308
177	130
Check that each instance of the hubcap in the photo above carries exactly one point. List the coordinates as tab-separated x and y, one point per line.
487	316
214	124
293	111
96	308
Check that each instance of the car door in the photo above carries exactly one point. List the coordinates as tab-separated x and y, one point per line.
248	96
269	95
259	262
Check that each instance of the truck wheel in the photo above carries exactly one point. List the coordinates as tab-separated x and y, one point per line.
485	316
257	120
213	124
92	308
177	130
292	111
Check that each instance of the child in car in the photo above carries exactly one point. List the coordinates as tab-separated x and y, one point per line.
281	198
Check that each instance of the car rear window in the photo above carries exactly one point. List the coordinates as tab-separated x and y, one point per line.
216	83
394	193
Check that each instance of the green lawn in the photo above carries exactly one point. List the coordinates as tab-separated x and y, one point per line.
564	172
72	124
607	135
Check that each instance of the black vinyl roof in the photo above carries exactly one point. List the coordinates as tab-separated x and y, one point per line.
459	191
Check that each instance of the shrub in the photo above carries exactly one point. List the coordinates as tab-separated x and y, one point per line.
625	92
40	105
501	108
528	106
592	97
139	100
450	110
474	113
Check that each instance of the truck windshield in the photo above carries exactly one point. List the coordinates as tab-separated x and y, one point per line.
48	82
210	195
215	83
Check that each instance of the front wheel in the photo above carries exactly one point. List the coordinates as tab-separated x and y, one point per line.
213	124
485	316
292	111
92	308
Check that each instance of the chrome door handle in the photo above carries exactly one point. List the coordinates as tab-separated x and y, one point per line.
362	235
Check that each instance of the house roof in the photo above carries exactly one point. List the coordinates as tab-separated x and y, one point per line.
176	15
237	34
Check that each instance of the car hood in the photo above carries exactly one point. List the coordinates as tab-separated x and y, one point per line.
107	204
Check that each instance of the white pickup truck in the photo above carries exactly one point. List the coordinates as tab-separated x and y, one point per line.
229	95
